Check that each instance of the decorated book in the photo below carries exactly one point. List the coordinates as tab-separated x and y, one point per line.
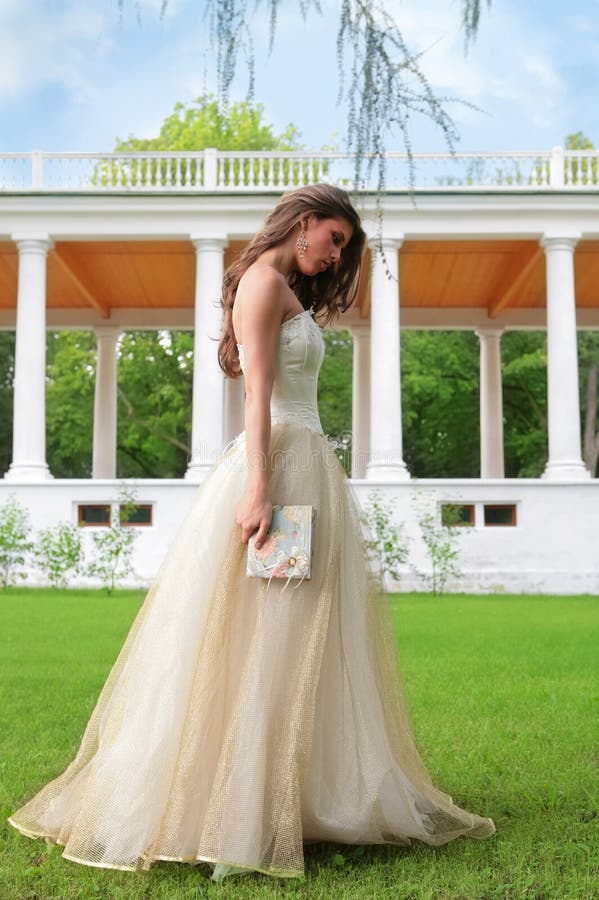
288	546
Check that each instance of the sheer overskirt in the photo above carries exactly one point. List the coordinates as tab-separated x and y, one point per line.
240	721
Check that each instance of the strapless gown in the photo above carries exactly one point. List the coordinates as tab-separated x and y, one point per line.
240	720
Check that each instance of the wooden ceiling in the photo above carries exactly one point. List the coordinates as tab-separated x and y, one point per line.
495	275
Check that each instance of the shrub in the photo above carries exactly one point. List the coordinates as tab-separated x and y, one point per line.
14	541
390	545
59	551
114	545
440	541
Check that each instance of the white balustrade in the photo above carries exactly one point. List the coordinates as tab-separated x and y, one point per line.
214	170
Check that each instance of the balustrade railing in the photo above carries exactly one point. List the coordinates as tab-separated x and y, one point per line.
217	171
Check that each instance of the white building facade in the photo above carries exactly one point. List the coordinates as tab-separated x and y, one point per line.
116	241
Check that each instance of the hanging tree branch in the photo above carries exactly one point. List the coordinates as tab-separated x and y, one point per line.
386	84
470	20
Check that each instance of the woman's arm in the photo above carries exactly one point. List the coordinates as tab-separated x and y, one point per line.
261	292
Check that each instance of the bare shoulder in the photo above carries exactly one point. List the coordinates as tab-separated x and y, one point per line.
260	301
261	279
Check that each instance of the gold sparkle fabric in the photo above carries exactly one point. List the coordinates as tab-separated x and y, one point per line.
238	724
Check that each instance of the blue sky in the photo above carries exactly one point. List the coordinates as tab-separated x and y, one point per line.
74	76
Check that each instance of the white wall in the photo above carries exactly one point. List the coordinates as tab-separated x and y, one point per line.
554	548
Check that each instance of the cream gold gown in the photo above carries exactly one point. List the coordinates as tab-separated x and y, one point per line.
241	720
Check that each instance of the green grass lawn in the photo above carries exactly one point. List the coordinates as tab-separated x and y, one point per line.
505	701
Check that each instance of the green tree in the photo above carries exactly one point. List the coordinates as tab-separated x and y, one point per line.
201	124
588	365
524	376
70	380
588	169
335	392
440	403
196	126
7	368
155	372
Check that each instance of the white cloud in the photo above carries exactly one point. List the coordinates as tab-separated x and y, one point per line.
47	45
117	77
508	60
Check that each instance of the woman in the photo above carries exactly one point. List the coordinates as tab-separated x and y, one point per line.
242	720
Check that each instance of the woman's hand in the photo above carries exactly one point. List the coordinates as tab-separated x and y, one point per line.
254	512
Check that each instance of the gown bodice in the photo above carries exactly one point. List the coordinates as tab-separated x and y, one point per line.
299	358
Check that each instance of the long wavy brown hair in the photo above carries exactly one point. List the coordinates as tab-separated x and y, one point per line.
333	290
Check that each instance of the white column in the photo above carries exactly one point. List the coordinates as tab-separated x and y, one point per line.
360	400
491	404
565	452
208	403
29	418
234	407
386	444
104	452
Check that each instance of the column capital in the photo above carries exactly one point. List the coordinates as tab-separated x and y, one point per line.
209	243
32	243
489	331
105	332
359	330
387	242
559	242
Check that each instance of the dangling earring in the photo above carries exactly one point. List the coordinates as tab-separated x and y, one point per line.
301	244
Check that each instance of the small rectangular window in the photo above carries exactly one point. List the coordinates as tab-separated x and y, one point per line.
500	514
93	514
138	514
457	514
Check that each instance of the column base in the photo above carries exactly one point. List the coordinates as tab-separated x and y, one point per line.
496	472
197	472
567	470
106	473
28	472
394	470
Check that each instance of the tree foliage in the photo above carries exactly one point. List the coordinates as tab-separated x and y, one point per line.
70	385
202	123
155	373
335	393
7	369
440	402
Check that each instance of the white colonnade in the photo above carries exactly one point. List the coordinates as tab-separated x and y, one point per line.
234	407
208	403
105	403
565	453
29	416
217	407
386	441
360	399
491	404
